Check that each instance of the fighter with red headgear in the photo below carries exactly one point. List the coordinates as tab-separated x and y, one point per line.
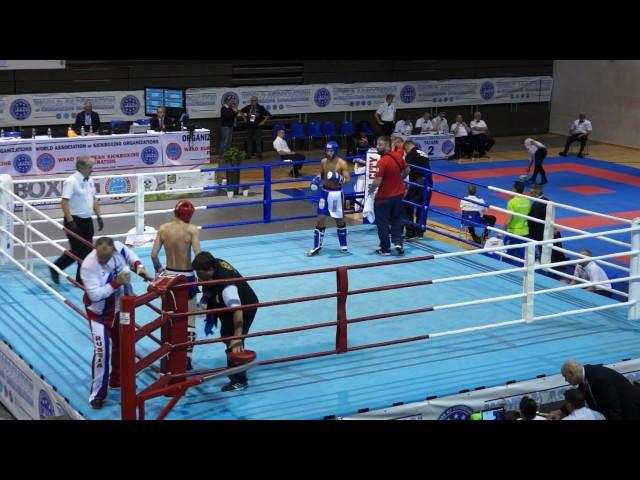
179	237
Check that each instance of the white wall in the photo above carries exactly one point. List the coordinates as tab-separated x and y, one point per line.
607	90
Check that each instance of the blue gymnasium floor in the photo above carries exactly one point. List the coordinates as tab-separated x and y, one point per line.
56	341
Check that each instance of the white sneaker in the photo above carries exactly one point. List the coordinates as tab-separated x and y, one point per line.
313	251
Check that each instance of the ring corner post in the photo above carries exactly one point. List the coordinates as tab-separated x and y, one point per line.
177	331
342	277
634	285
128	358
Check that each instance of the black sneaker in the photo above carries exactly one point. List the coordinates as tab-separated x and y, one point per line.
580	155
189	366
399	250
235	386
562	154
313	251
55	276
96	403
381	252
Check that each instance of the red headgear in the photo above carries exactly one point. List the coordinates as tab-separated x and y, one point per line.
184	210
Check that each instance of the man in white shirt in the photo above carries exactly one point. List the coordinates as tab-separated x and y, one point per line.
386	114
471	204
576	405
280	145
579	132
78	205
103	272
537	153
480	135
424	124
592	272
404	127
440	124
461	131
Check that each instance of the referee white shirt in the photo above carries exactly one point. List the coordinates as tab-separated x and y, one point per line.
532	146
280	145
580	127
459	130
473	124
467	206
404	128
592	273
387	112
584	413
439	124
424	125
80	192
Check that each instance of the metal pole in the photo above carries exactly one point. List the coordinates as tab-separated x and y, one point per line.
128	358
528	284
266	217
342	278
139	205
549	222
634	285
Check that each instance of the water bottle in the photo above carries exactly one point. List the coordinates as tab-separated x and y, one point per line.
49	132
2	133
90	129
82	131
69	131
33	133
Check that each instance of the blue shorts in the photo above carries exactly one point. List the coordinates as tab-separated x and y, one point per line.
331	203
191	277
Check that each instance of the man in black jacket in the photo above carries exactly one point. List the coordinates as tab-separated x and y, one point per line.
605	390
160	121
225	295
88	119
415	157
228	114
255	115
539	211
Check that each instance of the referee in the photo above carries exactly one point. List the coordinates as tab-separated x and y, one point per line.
386	115
78	204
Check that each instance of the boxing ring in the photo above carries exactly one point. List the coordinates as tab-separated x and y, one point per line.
334	334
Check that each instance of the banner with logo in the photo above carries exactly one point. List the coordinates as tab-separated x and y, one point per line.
25	394
62	108
459	407
435	146
112	152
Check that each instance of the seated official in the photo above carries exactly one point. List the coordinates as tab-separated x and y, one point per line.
424	124
280	145
467	205
592	272
529	409
576	405
160	121
579	132
480	135
404	127
88	119
461	131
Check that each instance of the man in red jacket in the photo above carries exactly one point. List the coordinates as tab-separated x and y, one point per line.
392	170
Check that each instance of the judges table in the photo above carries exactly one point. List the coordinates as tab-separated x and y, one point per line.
43	155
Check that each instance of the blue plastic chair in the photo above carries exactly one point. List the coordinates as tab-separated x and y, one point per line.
114	123
279	126
313	132
470	219
368	130
329	130
297	132
143	121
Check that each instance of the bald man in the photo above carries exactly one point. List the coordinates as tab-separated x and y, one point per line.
179	237
605	390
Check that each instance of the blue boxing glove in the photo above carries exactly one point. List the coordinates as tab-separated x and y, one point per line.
335	176
210	323
315	183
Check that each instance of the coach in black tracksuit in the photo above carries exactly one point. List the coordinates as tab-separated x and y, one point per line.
224	295
419	158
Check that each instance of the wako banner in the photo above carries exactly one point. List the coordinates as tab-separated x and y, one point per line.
61	108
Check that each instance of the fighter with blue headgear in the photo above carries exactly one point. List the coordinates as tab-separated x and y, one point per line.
334	172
